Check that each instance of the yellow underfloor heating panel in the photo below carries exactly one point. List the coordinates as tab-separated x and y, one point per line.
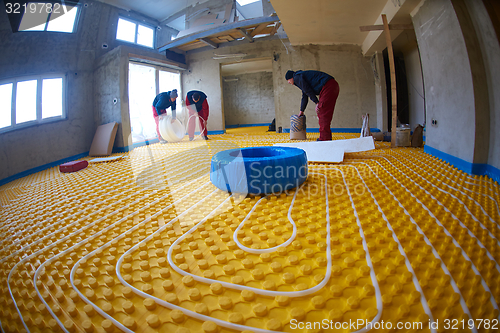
390	240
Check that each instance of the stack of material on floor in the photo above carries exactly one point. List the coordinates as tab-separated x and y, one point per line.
297	127
365	128
104	138
332	151
73	166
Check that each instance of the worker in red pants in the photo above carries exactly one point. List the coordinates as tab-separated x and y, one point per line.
313	83
199	110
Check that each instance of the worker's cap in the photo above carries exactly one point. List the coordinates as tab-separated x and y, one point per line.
289	75
173	93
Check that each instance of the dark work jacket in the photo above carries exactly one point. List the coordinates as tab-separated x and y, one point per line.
198	104
162	102
311	83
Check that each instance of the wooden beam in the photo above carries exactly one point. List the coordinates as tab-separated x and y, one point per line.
394	91
257	30
227	37
275	29
381	27
246	35
209	42
217	30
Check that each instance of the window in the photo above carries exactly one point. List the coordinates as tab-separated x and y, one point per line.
29	101
136	33
52	17
245	2
5	105
145	82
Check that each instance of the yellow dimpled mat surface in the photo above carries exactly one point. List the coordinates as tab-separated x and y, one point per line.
390	240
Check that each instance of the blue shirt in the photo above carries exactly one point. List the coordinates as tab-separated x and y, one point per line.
162	102
311	83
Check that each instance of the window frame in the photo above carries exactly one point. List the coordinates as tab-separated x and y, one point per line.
39	120
137	23
67	3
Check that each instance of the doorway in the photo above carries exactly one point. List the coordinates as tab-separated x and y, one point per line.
248	93
144	83
409	82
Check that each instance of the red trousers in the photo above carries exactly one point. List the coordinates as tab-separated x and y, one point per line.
157	120
203	114
326	105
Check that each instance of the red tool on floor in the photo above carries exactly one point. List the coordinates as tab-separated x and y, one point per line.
73	166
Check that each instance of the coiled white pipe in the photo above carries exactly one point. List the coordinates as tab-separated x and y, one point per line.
474	268
70	249
258	291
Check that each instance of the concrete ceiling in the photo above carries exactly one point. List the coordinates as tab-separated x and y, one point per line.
327	21
157	9
324	22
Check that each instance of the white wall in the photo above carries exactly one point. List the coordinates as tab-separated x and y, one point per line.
449	91
345	62
490	49
249	99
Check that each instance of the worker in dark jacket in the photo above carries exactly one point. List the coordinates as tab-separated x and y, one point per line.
312	84
196	102
161	103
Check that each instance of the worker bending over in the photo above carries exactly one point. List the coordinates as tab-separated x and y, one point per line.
313	83
161	103
196	102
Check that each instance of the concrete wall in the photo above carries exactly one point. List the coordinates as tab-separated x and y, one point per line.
344	62
249	99
89	97
377	64
34	53
449	90
460	61
108	91
490	49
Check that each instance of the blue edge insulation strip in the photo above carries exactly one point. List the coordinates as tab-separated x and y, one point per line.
479	169
470	168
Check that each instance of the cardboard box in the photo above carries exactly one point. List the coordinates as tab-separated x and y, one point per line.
104	138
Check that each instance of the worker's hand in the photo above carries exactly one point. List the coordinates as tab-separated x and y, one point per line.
317	108
301	113
173	120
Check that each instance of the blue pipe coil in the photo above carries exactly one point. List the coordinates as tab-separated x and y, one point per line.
259	170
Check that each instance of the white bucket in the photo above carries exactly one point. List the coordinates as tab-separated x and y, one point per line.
403	137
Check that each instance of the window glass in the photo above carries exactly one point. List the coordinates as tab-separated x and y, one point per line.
52	17
34	18
169	81
61	21
5	105
125	31
145	36
52	98
142	92
26	101
245	2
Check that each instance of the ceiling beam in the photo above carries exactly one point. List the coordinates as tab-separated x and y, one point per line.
246	35
257	30
223	27
381	27
209	42
275	29
398	15
173	16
